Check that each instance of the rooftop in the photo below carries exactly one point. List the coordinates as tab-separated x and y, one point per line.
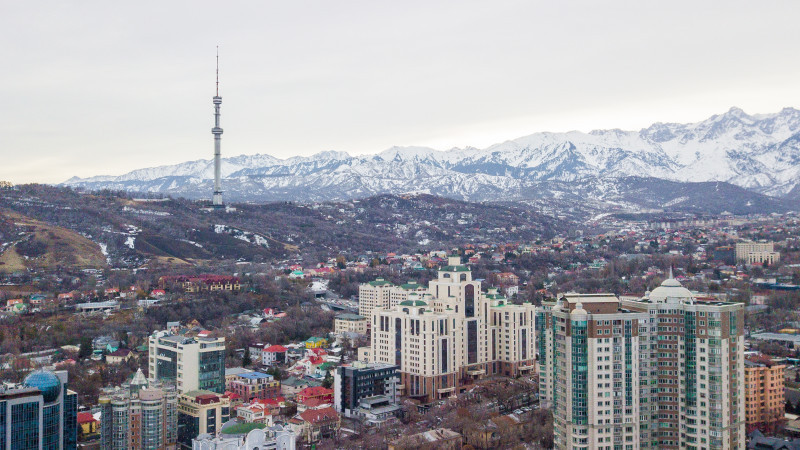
349	316
255	375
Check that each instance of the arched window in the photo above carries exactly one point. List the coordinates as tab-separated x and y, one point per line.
447	275
463	277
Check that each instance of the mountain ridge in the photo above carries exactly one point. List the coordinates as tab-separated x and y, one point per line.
759	152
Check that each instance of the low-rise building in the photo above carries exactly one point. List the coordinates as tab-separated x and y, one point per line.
350	323
315	392
238	437
313	425
255	385
274	354
438	439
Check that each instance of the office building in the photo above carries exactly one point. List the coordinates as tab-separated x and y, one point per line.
201	412
764	393
452	335
366	391
190	361
40	413
139	416
665	371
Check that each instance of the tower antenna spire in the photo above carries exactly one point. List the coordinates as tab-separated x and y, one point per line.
218	71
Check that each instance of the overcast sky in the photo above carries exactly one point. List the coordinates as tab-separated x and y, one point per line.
100	87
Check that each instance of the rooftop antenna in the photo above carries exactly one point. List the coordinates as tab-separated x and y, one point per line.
218	71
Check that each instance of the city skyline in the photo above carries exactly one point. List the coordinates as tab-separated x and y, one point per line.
103	89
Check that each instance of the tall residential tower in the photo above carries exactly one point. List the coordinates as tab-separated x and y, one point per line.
665	371
217	132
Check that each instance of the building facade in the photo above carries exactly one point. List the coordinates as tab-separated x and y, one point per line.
665	371
190	362
757	252
139	416
377	382
41	413
764	393
201	412
255	385
452	335
350	323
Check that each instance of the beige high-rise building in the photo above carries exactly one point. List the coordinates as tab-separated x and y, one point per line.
446	339
665	371
374	294
383	294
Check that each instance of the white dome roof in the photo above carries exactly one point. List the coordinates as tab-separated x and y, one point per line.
578	311
671	291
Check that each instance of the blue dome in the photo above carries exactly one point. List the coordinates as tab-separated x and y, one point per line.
45	381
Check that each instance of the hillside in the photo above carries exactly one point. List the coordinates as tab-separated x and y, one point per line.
133	232
27	243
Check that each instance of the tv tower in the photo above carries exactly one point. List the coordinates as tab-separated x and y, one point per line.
217	132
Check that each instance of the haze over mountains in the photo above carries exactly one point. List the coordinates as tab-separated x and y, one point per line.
757	153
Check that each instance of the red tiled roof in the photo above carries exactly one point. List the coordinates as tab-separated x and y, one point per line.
276	349
86	417
315	402
315	391
319	415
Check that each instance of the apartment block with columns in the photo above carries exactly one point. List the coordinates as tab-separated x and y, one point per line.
452	334
757	252
665	371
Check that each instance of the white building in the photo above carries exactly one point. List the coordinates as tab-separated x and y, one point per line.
275	437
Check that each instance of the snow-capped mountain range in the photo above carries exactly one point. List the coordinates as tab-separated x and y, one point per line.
760	153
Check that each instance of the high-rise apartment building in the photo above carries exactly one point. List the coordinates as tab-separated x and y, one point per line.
41	413
452	334
764	393
665	371
190	361
139	416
